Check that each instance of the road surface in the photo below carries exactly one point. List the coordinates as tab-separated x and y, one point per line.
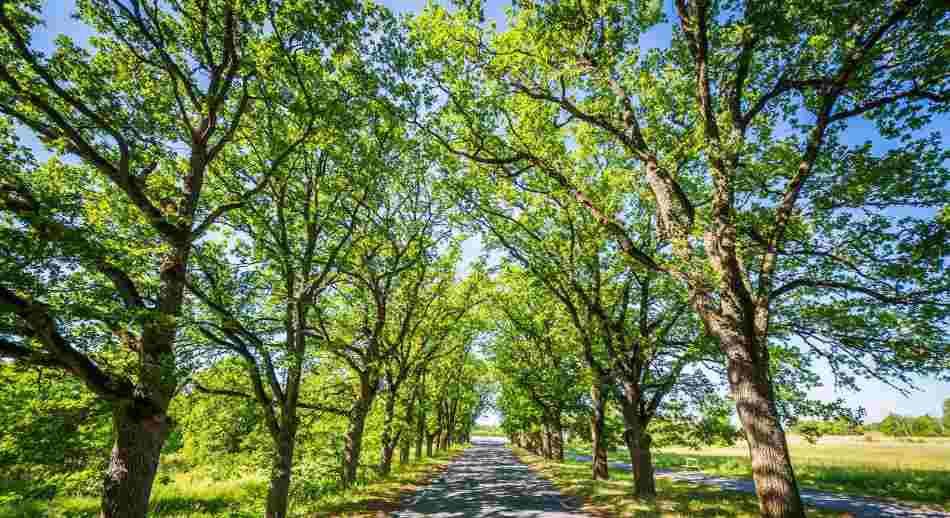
487	480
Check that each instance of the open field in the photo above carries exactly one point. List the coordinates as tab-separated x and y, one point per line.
886	468
180	493
612	497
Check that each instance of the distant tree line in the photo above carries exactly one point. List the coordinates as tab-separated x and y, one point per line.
894	425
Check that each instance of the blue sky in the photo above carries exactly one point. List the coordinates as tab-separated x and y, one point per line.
878	398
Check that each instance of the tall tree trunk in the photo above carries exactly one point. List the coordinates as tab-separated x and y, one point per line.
420	435
546	446
354	440
536	443
598	440
638	441
389	437
406	430
405	448
279	491
450	425
775	483
139	434
430	438
641	459
141	425
557	439
386	459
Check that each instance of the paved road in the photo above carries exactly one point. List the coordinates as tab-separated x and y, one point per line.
855	505
487	480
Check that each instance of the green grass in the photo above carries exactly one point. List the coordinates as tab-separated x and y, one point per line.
916	472
180	492
487	431
382	495
613	497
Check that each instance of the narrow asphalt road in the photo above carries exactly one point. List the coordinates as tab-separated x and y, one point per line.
857	506
487	480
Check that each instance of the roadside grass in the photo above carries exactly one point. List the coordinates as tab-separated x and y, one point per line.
382	495
197	494
916	473
674	499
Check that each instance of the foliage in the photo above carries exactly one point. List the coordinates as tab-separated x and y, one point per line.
237	240
812	430
54	434
896	425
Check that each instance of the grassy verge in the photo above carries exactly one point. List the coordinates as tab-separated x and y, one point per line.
194	494
917	486
916	472
612	497
381	497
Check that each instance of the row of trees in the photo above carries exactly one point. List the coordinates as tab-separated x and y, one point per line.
896	425
707	202
282	184
225	198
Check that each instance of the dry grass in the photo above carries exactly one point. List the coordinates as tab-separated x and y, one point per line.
382	497
917	472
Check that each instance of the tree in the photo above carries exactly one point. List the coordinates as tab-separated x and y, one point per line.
146	119
54	431
428	321
770	236
396	254
634	327
297	231
896	426
535	357
926	426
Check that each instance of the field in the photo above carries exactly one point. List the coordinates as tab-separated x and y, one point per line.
887	468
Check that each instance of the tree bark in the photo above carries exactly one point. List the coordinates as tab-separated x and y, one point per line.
443	442
557	440
354	441
139	434
386	460
641	459
405	447
430	438
638	441
775	483
420	435
546	451
389	438
598	440
279	491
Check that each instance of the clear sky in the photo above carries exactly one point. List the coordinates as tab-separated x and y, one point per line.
878	398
